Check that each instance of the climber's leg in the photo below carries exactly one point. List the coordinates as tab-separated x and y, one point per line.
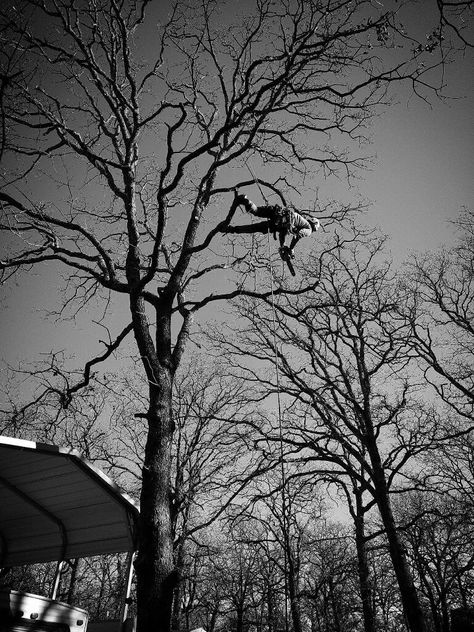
259	227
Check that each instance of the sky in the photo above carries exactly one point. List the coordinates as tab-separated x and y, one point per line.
424	168
422	174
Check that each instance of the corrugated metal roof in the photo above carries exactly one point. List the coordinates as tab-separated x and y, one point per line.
55	505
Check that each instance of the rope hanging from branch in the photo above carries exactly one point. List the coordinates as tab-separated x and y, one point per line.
284	503
280	424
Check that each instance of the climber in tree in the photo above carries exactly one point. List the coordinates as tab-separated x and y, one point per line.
281	221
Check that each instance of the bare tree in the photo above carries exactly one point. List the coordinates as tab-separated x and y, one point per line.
330	581
451	468
354	491
441	317
125	126
386	595
439	538
350	410
282	511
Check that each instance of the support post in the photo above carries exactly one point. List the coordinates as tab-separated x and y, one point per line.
57	579
128	589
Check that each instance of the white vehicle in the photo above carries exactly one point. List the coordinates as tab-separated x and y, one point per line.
55	506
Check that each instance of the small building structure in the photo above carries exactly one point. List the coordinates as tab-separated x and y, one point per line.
56	506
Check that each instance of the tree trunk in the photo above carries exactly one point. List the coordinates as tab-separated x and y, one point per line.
292	589
334	607
213	619
462	589
411	605
270	609
157	576
445	615
431	599
176	614
239	619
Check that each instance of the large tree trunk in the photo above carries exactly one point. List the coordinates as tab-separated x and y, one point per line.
411	605
156	573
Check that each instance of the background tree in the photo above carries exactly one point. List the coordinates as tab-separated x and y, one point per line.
451	469
439	540
441	316
282	514
117	162
342	358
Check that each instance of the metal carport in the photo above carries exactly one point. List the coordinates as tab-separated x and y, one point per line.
54	505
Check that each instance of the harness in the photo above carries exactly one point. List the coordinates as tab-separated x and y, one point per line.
283	220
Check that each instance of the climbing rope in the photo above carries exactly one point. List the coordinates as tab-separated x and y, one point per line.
280	430
256	182
280	424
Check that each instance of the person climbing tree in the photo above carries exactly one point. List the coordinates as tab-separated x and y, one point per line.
282	221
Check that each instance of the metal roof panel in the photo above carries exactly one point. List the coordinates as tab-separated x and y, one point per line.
55	505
